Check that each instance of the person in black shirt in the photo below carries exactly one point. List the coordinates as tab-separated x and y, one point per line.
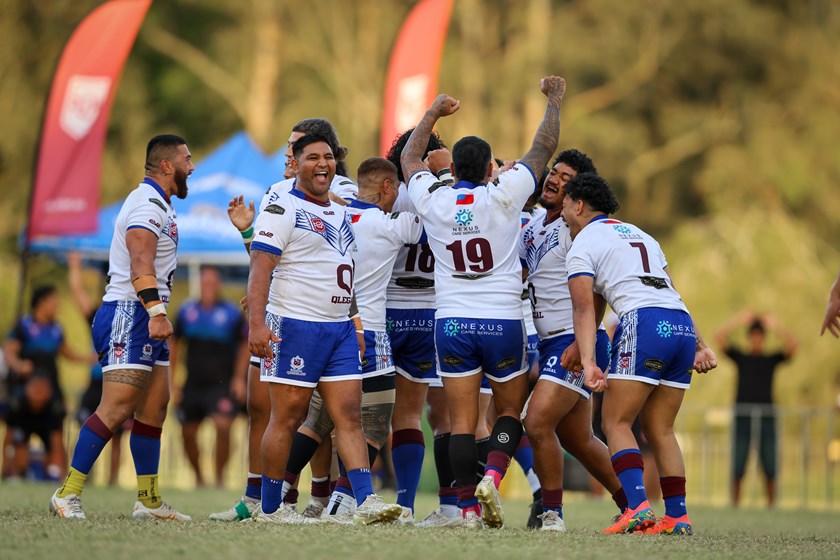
216	359
754	412
32	349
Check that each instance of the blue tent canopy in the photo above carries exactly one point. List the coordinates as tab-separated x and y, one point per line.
206	236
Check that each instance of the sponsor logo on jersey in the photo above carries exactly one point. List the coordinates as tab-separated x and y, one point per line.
620	228
453	327
424	366
666	329
464	217
159	203
266	234
329	213
465	199
275	209
450	328
663	329
154	223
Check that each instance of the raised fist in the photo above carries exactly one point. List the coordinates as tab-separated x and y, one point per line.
443	105
553	86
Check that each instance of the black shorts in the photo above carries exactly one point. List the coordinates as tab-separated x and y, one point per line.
200	402
22	427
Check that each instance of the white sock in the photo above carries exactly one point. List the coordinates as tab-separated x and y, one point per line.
450	511
340	502
533	481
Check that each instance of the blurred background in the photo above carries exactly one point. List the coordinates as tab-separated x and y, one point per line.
716	122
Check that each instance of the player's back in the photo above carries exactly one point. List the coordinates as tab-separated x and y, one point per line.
412	282
628	266
473	231
379	238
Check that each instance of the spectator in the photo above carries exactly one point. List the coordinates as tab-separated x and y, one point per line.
754	411
31	350
213	331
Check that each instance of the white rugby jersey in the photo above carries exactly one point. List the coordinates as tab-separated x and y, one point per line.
149	208
379	237
627	266
473	231
341	186
313	280
543	249
413	278
527	309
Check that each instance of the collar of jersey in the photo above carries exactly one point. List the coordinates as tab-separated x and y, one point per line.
599	218
151	182
465	185
361	205
302	195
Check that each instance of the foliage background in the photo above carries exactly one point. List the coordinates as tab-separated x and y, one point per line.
715	120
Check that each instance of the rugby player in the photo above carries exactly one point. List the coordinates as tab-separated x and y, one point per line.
302	328
656	346
130	331
473	229
559	409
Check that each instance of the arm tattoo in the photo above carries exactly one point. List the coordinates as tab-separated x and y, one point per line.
411	158
546	138
255	254
134	377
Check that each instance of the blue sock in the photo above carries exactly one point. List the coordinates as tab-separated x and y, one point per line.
93	438
675	506
253	488
629	467
361	483
407	452
272	492
524	455
448	499
145	448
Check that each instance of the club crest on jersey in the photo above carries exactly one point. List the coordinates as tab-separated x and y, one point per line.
339	238
296	363
171	230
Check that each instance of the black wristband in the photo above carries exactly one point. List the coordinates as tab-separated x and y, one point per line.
149	296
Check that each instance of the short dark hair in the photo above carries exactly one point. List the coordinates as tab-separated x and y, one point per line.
41	293
577	160
393	155
471	155
594	190
161	147
757	325
305	140
324	128
375	167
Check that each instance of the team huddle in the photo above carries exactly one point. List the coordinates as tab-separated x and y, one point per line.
432	282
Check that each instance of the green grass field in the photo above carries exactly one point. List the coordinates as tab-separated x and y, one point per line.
28	531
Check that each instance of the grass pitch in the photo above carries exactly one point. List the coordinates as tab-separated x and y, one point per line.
28	531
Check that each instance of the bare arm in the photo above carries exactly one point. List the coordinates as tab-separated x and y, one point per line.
411	158
77	288
548	133
831	321
11	350
259	281
142	249
583	313
722	335
791	344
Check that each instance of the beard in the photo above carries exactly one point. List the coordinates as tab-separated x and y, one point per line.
547	205
181	184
